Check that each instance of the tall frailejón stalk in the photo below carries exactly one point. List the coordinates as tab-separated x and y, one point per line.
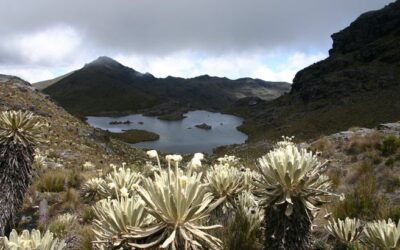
291	186
19	132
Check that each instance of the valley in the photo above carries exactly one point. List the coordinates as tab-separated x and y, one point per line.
107	157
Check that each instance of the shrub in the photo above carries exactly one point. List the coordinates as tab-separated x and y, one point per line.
390	144
86	237
63	224
362	202
359	144
52	181
87	215
71	199
74	179
324	145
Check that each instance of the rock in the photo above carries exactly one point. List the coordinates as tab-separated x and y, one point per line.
54	165
68	154
73	242
344	135
43	212
390	128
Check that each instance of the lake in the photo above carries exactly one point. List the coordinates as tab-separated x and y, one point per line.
180	136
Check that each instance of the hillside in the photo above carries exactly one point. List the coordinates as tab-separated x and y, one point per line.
106	86
68	141
357	85
44	84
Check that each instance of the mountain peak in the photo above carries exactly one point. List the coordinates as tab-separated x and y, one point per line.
105	60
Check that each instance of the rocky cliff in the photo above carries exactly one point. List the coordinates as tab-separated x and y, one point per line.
357	85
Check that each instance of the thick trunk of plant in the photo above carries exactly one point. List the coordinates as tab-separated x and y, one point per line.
15	177
282	232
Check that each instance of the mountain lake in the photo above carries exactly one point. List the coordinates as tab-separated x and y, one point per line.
179	136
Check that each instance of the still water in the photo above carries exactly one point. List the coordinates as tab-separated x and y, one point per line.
180	136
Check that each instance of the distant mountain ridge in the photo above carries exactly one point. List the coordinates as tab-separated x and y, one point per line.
357	85
105	86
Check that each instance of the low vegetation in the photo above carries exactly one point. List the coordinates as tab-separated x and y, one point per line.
224	203
135	136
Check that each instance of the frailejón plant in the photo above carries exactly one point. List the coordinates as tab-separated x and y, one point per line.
19	132
346	231
113	217
291	187
95	188
179	202
383	234
117	183
225	181
32	240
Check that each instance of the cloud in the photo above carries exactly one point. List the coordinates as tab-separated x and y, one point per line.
52	46
269	39
28	74
255	64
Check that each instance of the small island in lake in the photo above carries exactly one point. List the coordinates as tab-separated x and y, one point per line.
120	122
203	126
135	136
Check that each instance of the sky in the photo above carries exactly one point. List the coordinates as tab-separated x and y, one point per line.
266	39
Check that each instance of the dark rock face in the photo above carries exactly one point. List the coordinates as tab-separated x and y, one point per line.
364	57
369	27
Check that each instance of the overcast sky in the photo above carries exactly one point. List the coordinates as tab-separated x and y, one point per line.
266	39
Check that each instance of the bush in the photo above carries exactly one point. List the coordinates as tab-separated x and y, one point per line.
390	144
360	144
63	225
74	179
86	237
363	202
324	145
52	181
71	200
87	215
